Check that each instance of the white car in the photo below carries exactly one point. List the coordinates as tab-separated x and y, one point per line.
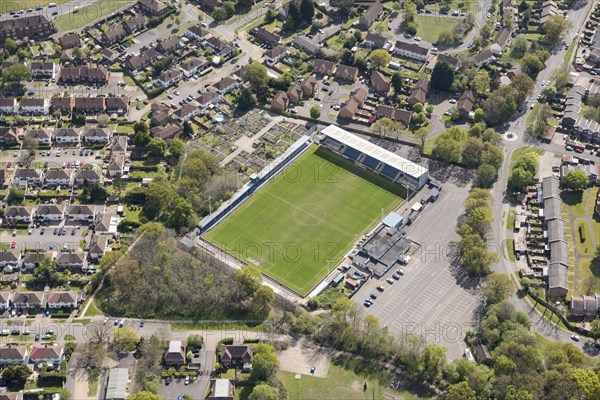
575	338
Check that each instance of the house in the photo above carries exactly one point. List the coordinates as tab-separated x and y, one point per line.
33	27
210	5
168	46
34	106
166	133
62	104
66	135
18	214
197	33
62	300
379	82
97	135
91	176
549	9
175	355
50	212
90	105
40	70
8	106
154	8
71	261
465	103
419	93
3	177
69	41
117	105
237	355
482	354
169	77
109	55
5	299
586	305
66	56
501	40
9	258
9	136
159	114
275	54
226	85
215	43
141	61
57	177
346	72
371	15
264	36
119	144
51	355
482	58
81	213
39	136
414	50
193	66
12	355
395	114
116	166
135	23
205	100
280	102
221	389
450	60
323	67
31	261
27	176
357	98
309	85
375	41
90	75
28	300
185	113
305	44
295	93
114	34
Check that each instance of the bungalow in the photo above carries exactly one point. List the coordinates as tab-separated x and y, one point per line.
482	58
194	65
69	41
9	258
168	45
62	104
29	176
51	355
323	67
169	77
8	106
43	70
371	15
81	213
117	105
264	36
450	60
221	389
275	54
413	50
50	212
62	300
97	135
39	136
374	41
12	355
113	35
57	177
379	82
116	166
18	214
395	114
135	23
465	103
175	355
305	44
9	136
185	113
66	135
31	261
92	176
280	102
28	300
34	106
226	85
419	93
71	261
502	39
90	105
232	355
166	133
346	72
153	7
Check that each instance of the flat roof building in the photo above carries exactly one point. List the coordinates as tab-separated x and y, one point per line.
116	387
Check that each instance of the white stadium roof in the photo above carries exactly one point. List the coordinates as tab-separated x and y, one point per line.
372	150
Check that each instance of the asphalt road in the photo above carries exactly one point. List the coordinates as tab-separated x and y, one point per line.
65	8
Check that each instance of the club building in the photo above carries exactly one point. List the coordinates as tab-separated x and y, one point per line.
374	158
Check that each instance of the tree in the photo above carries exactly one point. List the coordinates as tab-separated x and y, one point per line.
417	107
103	120
595	329
125	340
77	54
249	277
10	46
519	178
245	100
262	297
380	58
15	195
180	215
264	362
519	47
344	7
479	115
442	76
307	9
315	112
587	382
446	37
144	395
497	287
481	83
531	64
219	14
263	392
16	373
471	153
433	359
256	75
15	74
577	180
141	133
461	391
397	82
555	28
176	147
157	147
195	341
504	366
159	194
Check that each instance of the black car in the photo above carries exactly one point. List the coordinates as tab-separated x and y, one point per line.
55	231
168	380
373	296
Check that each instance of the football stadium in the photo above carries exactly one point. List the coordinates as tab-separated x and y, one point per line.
298	223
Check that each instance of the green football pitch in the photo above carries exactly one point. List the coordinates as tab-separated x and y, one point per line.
307	215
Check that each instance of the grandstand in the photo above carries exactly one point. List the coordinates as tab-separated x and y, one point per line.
374	158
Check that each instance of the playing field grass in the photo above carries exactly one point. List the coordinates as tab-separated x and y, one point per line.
308	215
88	14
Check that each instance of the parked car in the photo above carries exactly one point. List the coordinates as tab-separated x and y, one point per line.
390	281
575	338
380	288
367	303
373	296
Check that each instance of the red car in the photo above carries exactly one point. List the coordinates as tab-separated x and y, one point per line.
578	150
578	69
13	245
